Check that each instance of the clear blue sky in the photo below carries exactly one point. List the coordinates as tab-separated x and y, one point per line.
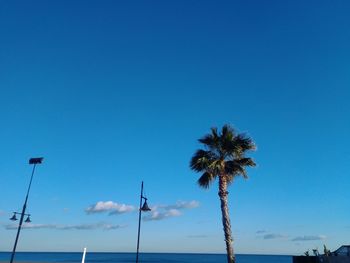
115	92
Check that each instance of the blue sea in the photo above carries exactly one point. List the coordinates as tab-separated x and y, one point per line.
143	258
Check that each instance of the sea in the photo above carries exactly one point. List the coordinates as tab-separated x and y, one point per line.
91	257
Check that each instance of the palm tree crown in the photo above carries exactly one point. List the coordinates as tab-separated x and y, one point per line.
224	155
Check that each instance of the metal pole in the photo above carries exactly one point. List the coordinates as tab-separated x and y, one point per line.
22	216
138	233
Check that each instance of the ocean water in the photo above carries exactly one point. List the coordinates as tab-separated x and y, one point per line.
143	258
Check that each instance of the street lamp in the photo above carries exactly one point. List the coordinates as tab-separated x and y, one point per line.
143	208
14	218
33	161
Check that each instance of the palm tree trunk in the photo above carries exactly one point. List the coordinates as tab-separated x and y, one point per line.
226	218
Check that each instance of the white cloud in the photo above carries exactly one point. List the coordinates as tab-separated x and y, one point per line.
266	235
181	205
273	236
186	205
160	212
109	206
103	226
157	215
28	226
309	238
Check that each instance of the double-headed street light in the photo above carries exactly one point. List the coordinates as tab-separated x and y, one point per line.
14	218
143	208
33	161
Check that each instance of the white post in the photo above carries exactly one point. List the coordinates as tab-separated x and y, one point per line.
83	259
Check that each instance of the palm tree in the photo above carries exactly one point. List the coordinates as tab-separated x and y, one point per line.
223	158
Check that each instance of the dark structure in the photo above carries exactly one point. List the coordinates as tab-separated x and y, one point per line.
341	255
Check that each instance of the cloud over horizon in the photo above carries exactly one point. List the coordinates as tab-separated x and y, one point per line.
159	215
309	238
103	226
182	205
160	212
273	236
109	206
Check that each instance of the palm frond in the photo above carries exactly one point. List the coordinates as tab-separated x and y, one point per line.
232	168
237	147
211	140
245	162
207	140
214	132
201	160
206	179
244	142
227	132
227	140
216	166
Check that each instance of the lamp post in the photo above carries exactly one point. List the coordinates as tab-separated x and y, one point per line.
143	208
33	161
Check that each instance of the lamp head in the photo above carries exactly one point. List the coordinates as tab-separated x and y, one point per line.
13	218
36	160
145	207
28	220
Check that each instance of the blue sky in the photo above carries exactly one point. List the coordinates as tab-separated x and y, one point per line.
114	93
